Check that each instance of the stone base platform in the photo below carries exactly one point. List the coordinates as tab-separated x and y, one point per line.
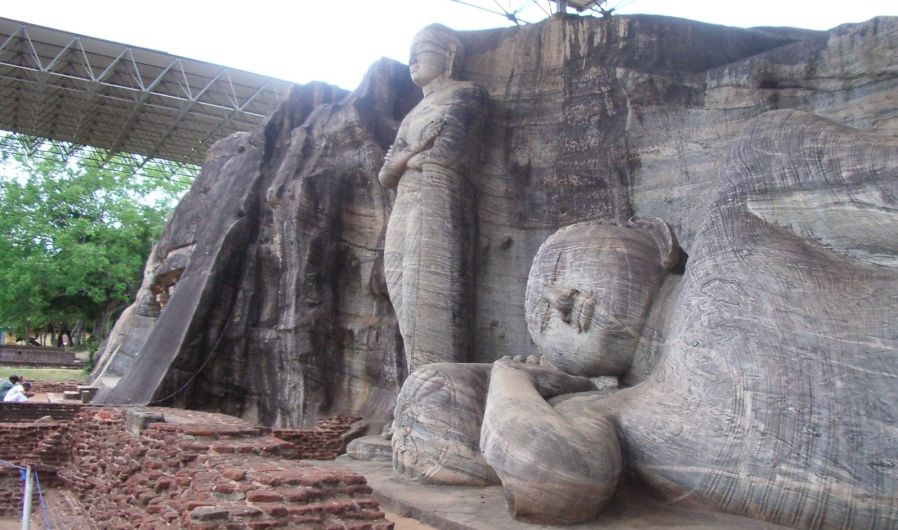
466	508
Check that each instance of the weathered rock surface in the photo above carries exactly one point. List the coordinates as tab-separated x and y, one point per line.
278	251
436	439
772	393
279	312
755	383
773	396
370	448
430	241
781	347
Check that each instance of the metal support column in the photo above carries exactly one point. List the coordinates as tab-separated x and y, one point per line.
26	504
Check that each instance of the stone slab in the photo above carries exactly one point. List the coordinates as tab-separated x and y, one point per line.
374	447
87	393
469	508
137	420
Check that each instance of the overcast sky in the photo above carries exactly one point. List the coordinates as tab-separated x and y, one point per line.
336	41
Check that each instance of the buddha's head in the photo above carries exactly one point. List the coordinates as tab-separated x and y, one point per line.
590	290
435	55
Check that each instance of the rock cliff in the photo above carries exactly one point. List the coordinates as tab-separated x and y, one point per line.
266	298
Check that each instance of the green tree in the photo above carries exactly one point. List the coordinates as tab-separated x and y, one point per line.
74	237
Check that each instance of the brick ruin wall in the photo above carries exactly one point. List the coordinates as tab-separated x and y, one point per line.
325	441
37	356
40	444
45	387
197	470
31	411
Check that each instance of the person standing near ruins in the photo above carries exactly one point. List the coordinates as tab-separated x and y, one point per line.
429	246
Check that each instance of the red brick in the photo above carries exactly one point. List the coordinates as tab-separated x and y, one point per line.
365	514
209	513
223	488
272	509
336	507
303	509
234	474
246	511
300	494
189	445
263	496
306	518
192	505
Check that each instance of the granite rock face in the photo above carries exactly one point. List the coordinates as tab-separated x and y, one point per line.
271	270
279	297
777	369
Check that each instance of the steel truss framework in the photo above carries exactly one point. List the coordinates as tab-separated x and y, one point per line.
35	147
83	91
524	11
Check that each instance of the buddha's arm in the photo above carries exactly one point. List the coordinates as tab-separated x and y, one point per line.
548	380
457	145
555	469
399	154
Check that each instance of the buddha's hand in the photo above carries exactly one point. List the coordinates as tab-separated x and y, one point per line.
548	380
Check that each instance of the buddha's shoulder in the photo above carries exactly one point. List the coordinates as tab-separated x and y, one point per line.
467	90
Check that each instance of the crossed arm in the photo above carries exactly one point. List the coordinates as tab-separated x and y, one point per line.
448	141
555	468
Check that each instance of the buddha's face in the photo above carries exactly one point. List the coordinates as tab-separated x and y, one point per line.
583	327
430	58
588	298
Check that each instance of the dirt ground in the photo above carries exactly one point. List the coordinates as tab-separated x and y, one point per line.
402	523
63	510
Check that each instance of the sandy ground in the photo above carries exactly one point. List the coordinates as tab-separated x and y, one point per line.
63	510
401	523
484	508
15	523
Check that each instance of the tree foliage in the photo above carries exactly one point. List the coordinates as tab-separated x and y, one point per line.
74	237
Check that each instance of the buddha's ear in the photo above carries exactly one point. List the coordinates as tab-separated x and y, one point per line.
671	255
454	62
452	49
456	51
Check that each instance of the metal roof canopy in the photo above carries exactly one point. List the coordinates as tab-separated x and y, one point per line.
509	11
579	5
88	91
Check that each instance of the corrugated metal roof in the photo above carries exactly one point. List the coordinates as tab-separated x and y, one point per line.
75	88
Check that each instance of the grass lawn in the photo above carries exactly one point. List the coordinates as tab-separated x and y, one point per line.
44	374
